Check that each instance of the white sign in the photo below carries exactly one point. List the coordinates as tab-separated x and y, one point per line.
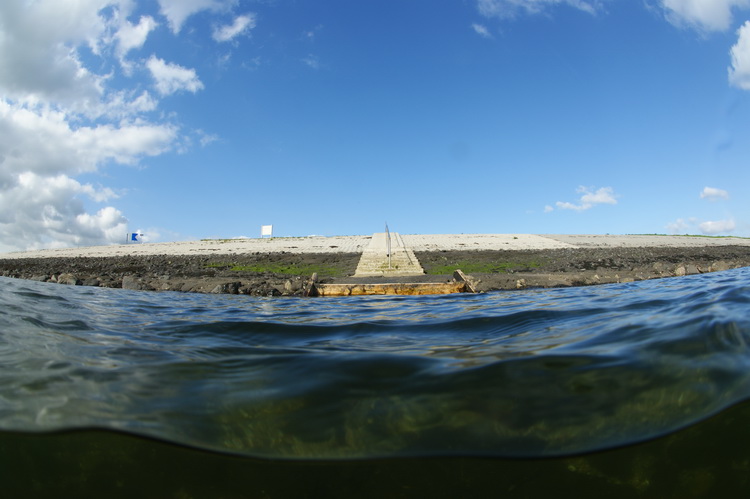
266	230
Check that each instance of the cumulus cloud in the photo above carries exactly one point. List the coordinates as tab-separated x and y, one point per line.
39	150
177	11
709	228
589	198
171	78
46	142
714	194
241	25
717	227
37	56
46	211
739	71
512	8
63	114
704	15
132	36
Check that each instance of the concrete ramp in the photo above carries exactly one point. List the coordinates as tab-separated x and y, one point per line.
375	259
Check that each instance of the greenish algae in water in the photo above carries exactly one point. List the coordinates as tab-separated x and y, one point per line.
709	459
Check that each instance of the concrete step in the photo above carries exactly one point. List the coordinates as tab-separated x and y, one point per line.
375	261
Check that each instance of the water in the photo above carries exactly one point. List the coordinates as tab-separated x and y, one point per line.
379	396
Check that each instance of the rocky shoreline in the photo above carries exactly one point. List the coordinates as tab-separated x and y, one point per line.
258	274
588	266
287	273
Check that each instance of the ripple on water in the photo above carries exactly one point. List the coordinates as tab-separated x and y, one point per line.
528	373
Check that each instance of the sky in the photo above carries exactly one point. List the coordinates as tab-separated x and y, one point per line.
205	119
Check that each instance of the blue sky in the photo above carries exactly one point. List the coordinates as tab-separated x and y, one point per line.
190	119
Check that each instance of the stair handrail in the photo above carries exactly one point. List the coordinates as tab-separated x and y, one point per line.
406	250
388	243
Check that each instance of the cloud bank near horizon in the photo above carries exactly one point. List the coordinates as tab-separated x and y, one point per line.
73	100
706	227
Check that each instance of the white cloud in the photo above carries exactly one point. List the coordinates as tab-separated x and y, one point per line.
177	11
241	25
717	227
39	150
714	194
38	60
42	211
148	235
692	225
45	141
125	104
679	226
511	8
171	78
132	36
603	195
481	30
739	72
206	138
704	15
63	114
589	198
107	224
570	206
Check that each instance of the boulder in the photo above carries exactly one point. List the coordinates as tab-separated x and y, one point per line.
691	269
660	269
130	282
68	279
719	266
227	288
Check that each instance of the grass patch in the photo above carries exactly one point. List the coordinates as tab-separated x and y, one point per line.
473	267
295	269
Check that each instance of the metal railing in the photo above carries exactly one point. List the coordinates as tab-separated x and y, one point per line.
388	244
403	247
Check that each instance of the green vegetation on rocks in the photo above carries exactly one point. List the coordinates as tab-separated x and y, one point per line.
482	267
294	269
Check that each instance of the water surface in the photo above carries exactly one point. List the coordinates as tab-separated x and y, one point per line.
510	374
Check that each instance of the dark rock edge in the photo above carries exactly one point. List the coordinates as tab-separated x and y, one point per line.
509	269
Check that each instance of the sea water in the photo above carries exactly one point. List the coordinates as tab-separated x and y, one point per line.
634	389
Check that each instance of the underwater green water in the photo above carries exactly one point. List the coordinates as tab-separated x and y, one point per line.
709	459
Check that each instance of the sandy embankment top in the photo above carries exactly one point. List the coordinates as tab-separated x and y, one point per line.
356	244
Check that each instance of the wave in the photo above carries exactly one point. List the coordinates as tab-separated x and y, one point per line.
515	374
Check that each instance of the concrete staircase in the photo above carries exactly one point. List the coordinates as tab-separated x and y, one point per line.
374	260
